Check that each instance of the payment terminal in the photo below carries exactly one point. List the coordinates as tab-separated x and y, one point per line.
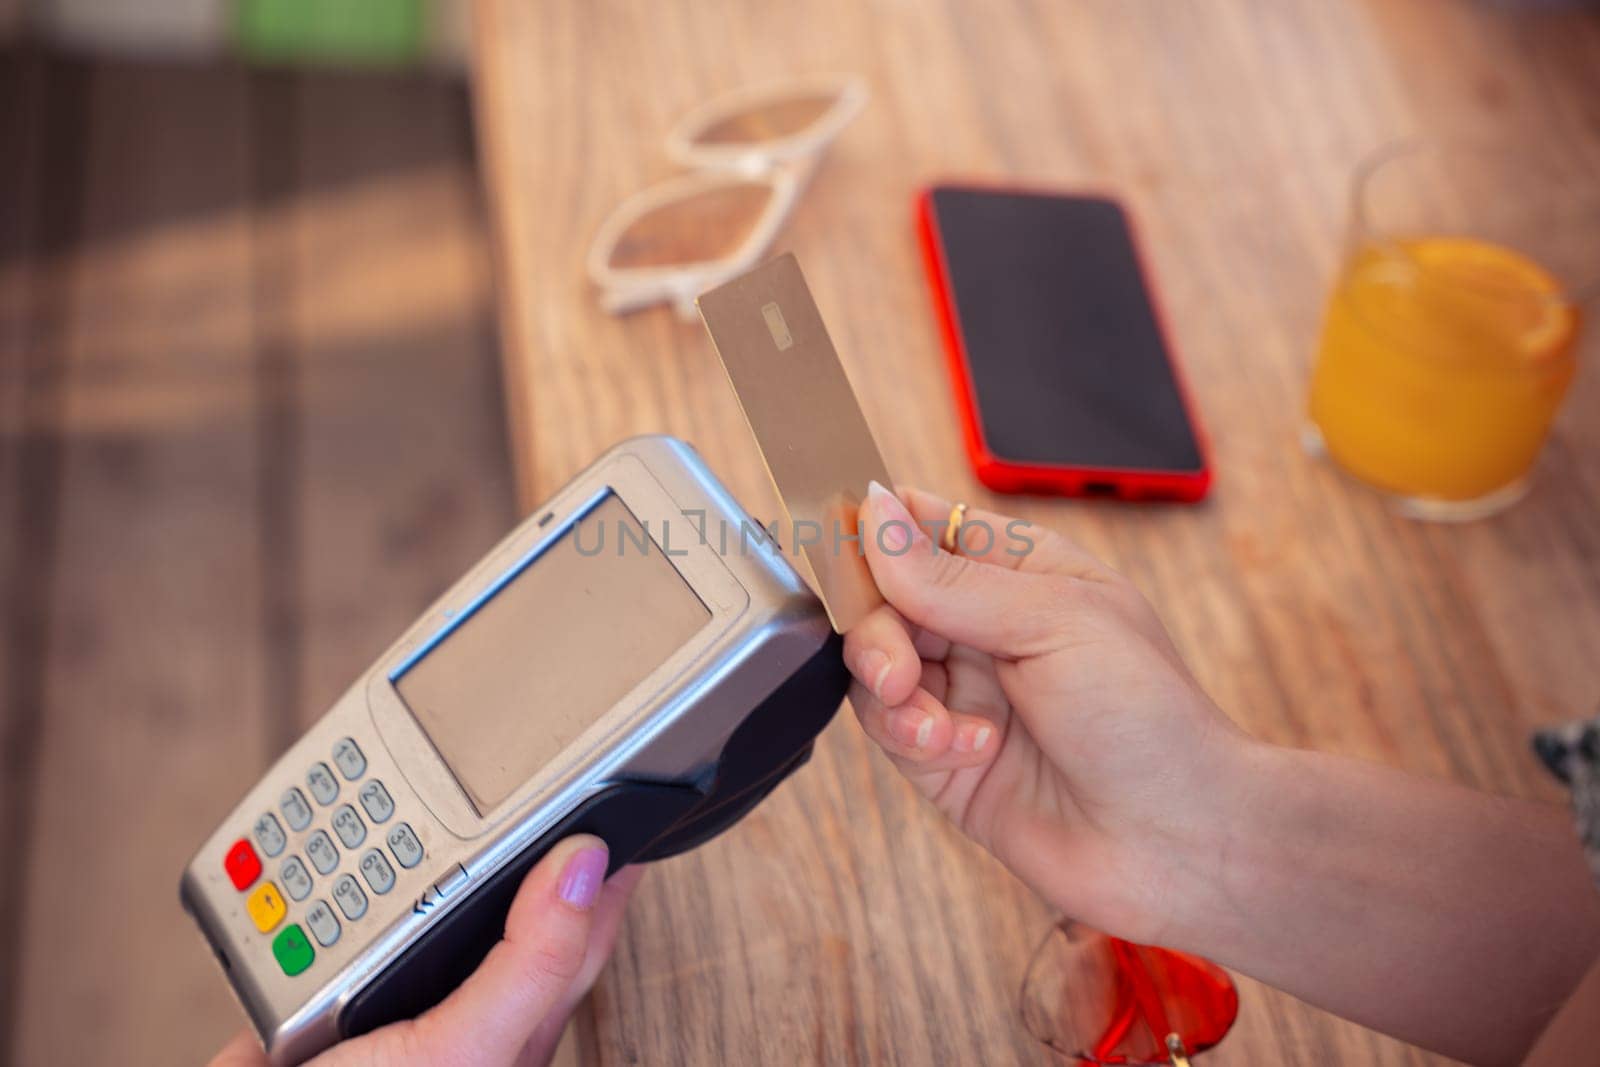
636	660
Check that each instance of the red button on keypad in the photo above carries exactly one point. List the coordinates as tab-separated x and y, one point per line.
242	864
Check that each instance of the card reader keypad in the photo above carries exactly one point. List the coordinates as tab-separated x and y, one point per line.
377	871
376	801
295	809
295	878
324	856
324	924
352	901
405	846
269	835
348	757
270	903
348	825
324	786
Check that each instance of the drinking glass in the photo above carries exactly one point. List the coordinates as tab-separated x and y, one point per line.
1452	332
1100	1000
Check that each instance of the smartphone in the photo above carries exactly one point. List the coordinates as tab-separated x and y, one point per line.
1064	376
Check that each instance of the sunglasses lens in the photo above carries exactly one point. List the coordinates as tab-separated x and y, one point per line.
770	120
1102	1000
703	226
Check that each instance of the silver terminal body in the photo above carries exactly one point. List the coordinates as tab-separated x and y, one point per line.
397	883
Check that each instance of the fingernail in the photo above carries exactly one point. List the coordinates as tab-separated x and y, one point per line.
971	738
582	877
896	528
873	669
912	727
887	502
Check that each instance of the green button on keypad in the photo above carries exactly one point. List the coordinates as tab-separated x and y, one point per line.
293	950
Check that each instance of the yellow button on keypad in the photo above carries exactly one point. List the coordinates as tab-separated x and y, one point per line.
266	907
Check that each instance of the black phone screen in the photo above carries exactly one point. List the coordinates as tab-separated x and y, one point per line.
1067	361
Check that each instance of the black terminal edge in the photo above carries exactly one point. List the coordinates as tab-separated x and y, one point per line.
639	821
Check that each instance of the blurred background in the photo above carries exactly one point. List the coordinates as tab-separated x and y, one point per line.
250	423
254	416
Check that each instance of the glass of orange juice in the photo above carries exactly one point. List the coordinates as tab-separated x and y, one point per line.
1452	332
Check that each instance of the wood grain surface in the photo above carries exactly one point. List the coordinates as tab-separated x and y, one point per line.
249	428
842	921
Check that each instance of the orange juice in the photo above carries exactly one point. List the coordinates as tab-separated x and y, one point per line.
1443	361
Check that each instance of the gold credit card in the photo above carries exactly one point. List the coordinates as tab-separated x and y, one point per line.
807	424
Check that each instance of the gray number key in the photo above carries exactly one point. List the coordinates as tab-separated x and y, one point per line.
375	798
295	878
324	924
348	825
351	900
269	835
376	870
348	755
324	786
324	856
295	808
405	846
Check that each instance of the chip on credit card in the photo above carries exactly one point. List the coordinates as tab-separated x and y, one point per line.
807	423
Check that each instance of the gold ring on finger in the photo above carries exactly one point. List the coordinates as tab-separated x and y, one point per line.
952	529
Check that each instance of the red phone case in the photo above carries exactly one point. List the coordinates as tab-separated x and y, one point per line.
1008	476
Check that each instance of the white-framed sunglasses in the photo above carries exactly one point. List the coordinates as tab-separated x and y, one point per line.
753	151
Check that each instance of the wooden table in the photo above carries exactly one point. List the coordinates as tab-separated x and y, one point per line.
843	921
247	434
